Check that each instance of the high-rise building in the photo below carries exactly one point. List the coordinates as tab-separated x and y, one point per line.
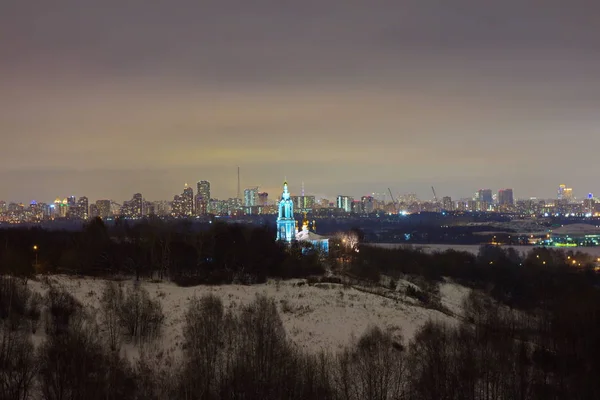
177	206
561	191
447	203
149	208
505	197
162	208
263	199
94	212
60	208
565	193
367	204
219	207
3	207
251	197
485	196
133	208
137	206
83	205
234	205
187	198
103	207
568	195
345	203
472	205
79	210
203	198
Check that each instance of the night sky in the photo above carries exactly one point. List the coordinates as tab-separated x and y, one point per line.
107	98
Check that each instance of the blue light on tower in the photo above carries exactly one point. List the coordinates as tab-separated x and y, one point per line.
286	224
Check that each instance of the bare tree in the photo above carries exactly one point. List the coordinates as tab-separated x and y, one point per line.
204	334
18	366
141	316
111	303
374	368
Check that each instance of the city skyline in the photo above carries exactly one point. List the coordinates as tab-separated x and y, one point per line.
274	193
346	96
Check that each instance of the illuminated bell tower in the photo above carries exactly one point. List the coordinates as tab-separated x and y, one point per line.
286	224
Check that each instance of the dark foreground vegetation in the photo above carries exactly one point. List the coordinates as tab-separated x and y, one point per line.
224	253
530	329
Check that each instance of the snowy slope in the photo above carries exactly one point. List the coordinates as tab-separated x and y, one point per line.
315	317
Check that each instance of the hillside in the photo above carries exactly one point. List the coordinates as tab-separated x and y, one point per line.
316	317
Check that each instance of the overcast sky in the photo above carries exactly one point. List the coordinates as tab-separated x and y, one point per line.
107	98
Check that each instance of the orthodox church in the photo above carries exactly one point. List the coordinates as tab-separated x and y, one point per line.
287	225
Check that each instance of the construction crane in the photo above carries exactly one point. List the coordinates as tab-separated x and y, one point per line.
434	195
393	201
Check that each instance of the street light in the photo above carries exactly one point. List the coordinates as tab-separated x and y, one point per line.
35	250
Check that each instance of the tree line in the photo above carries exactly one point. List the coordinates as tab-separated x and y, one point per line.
155	249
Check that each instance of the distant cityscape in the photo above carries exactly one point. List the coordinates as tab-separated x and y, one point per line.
198	203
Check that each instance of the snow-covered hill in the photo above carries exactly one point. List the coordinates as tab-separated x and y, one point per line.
316	317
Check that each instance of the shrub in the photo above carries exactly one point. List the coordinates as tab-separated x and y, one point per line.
418	294
141	316
14	300
204	335
18	366
74	365
34	305
111	303
62	308
375	368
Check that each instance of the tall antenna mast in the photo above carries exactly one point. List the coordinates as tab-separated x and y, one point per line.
238	187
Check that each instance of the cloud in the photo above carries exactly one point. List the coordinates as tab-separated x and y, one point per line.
335	93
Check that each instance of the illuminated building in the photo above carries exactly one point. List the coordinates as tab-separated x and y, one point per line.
251	197
505	197
83	205
94	211
103	207
263	199
471	205
137	206
345	203
162	208
574	235
589	204
304	203
447	203
3	207
565	193
286	224
309	202
187	199
177	206
149	208
133	208
317	242
234	205
60	208
78	210
367	205
219	207
485	196
568	195
203	198
324	203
